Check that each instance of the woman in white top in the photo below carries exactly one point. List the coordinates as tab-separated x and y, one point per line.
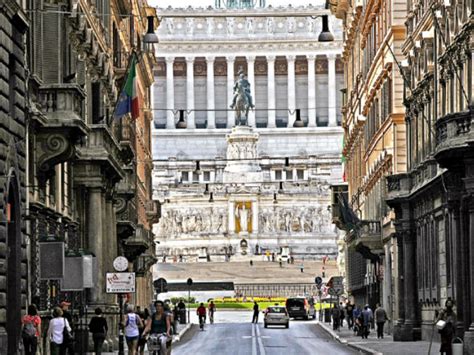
55	332
132	323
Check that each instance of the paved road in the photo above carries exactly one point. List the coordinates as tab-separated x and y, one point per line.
238	338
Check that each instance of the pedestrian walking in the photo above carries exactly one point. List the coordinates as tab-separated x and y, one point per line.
211	309
251	262
446	323
56	330
182	311
31	330
349	314
66	314
141	338
255	312
380	319
357	319
367	319
98	327
336	316
342	315
132	324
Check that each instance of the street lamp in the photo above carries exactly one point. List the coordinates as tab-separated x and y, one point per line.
150	36
325	35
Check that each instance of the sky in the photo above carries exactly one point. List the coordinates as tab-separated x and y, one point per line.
205	3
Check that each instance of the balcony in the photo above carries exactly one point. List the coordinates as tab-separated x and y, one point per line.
398	188
153	211
102	149
137	245
454	137
367	239
59	126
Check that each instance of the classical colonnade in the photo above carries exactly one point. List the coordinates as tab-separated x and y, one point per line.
271	123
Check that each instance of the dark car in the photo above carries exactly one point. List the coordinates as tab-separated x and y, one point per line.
300	307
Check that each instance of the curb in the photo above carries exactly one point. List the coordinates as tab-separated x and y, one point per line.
183	331
332	333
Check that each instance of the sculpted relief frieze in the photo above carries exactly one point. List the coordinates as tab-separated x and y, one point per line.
187	221
295	220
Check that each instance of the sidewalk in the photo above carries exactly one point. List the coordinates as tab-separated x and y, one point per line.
385	346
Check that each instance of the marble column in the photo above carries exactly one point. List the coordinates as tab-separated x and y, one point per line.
251	79
332	119
311	90
271	91
255	217
291	90
190	91
211	114
95	237
230	90
170	124
231	217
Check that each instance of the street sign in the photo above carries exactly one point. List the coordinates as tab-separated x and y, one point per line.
120	282
337	284
190	282
318	280
161	285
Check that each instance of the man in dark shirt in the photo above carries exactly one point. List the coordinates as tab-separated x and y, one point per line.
255	312
98	327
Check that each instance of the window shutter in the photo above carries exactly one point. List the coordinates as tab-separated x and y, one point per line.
53	25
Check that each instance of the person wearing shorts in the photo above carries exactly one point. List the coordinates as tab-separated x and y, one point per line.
132	325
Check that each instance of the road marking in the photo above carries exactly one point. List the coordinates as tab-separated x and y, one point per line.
254	341
260	342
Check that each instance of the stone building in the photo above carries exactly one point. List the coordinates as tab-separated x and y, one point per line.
210	210
374	145
433	200
13	239
88	173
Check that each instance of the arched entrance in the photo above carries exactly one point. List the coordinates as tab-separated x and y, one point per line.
13	260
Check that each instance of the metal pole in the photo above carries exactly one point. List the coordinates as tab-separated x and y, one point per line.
189	303
121	347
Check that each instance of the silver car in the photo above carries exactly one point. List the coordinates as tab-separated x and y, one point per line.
276	315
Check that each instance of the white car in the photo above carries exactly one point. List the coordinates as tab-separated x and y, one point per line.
276	315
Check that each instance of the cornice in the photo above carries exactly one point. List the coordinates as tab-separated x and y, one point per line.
183	49
286	11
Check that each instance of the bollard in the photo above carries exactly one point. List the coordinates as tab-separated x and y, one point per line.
457	346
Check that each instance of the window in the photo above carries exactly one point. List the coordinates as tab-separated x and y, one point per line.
300	174
195	176
184	176
278	175
289	175
207	176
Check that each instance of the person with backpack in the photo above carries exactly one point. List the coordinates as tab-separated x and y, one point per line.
31	331
132	323
98	327
58	328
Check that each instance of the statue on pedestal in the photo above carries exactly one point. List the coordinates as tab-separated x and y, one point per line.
243	214
242	101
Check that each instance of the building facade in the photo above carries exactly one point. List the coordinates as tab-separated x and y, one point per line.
374	146
432	201
210	212
88	173
13	143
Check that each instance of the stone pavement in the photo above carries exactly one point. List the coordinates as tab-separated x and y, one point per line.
385	346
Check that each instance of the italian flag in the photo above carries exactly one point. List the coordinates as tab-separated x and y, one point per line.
130	88
128	101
